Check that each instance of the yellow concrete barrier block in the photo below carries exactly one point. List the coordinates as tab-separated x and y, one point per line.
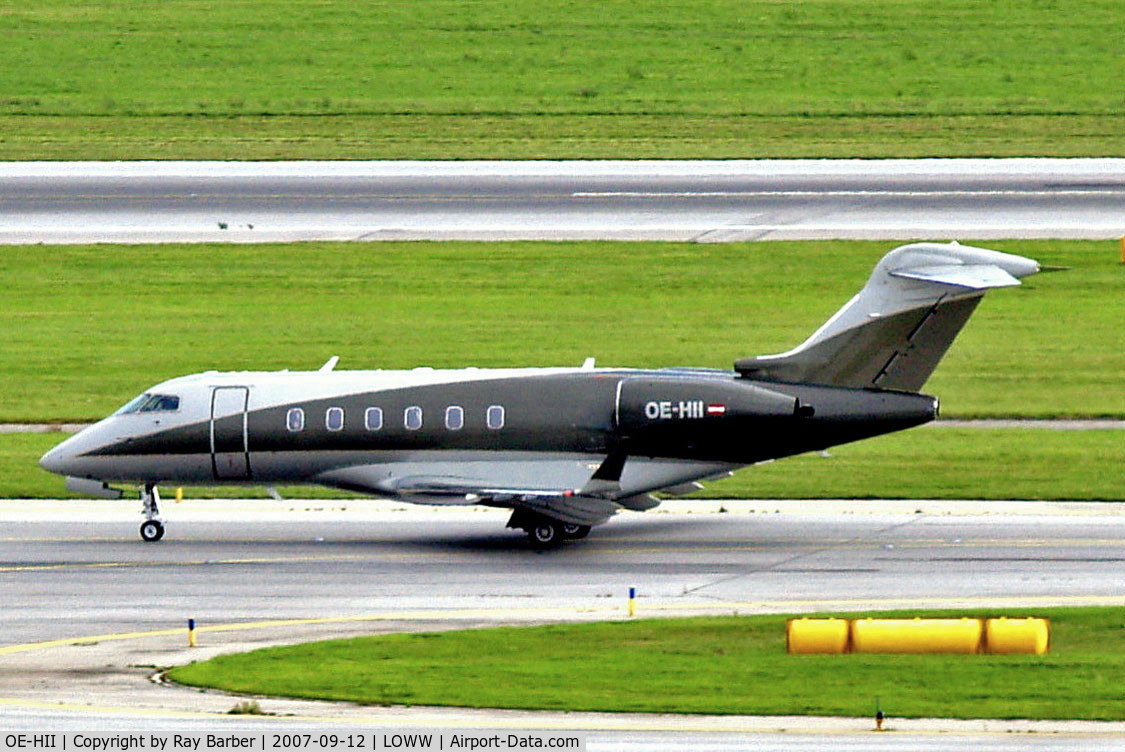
917	636
806	636
1006	636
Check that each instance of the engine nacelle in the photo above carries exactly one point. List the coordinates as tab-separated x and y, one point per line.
665	415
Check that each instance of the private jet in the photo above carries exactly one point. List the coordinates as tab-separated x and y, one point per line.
563	448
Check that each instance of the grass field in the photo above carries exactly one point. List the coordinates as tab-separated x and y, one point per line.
499	78
556	136
943	464
729	665
88	327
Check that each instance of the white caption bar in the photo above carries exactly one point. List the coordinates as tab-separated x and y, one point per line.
419	740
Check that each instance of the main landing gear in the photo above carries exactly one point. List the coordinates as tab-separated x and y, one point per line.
575	532
152	529
546	532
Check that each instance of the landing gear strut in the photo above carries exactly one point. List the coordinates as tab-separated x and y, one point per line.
152	529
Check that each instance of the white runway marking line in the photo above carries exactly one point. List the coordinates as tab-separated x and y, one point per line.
199	563
846	194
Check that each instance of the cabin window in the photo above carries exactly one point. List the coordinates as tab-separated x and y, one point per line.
413	418
495	417
373	418
295	419
455	417
334	419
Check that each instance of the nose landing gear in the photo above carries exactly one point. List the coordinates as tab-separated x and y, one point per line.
152	529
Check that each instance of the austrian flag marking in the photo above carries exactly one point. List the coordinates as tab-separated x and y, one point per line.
683	409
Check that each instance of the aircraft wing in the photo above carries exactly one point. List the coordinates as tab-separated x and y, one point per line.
568	505
458	483
577	510
570	492
563	504
581	490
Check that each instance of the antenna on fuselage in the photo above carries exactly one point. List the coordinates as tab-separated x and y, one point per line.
330	364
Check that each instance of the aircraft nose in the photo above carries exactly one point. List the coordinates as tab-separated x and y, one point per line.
52	461
58	460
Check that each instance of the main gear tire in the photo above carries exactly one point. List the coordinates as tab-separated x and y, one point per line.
546	533
575	532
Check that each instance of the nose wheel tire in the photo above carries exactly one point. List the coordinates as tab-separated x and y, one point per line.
152	530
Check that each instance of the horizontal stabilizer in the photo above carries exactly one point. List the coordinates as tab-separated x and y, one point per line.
972	276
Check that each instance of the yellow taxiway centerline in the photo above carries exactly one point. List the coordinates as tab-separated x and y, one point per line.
654	608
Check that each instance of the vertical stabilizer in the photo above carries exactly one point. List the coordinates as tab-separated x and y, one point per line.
895	331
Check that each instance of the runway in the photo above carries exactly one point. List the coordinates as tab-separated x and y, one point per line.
704	201
90	611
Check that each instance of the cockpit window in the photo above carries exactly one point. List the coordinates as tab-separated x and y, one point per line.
148	403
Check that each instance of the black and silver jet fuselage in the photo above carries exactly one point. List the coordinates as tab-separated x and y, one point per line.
408	432
564	448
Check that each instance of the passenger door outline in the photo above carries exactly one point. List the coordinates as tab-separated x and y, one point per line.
230	446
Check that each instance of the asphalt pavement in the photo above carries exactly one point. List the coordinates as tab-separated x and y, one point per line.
91	612
702	201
